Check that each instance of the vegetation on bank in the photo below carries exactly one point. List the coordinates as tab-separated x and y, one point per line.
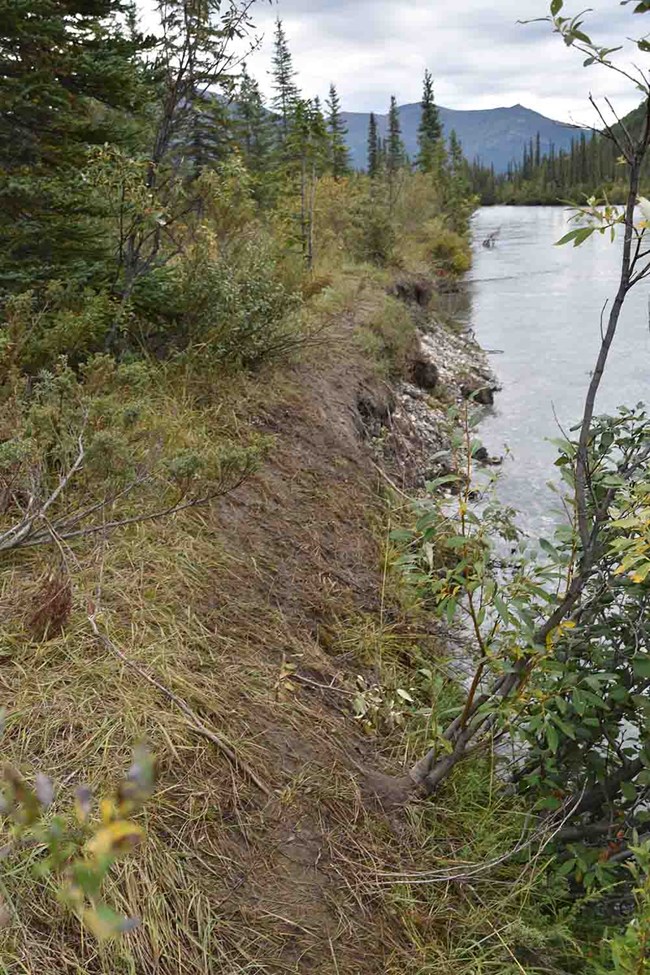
194	293
160	257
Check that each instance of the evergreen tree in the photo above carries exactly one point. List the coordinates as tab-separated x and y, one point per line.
430	129
339	153
71	79
209	135
382	154
193	128
306	153
457	185
253	128
456	158
395	154
255	136
583	165
374	148
286	94
194	69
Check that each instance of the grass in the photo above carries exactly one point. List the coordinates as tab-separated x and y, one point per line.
262	611
211	603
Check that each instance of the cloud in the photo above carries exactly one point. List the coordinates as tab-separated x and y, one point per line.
479	54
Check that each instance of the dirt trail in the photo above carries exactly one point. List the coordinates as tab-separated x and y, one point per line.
260	612
306	532
306	529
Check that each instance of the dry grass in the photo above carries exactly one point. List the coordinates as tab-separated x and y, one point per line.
259	612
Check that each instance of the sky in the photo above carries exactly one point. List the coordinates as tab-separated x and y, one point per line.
480	57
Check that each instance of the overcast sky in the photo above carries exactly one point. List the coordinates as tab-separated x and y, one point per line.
479	55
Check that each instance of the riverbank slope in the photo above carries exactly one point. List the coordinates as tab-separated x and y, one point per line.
274	616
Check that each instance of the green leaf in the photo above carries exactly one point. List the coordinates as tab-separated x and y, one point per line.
565	728
578	236
552	738
549	802
628	791
546	546
438	481
455	541
579	702
565	240
566	868
401	535
641	665
556	6
501	608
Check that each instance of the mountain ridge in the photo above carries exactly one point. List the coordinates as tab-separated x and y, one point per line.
494	136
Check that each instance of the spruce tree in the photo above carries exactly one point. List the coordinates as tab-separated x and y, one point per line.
456	158
373	146
254	132
71	79
338	149
306	151
430	129
193	130
458	185
193	66
395	154
286	94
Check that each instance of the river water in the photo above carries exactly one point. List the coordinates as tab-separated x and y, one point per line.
536	308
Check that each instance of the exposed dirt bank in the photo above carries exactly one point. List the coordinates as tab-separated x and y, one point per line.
304	605
266	613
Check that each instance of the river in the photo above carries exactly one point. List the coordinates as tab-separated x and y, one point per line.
536	308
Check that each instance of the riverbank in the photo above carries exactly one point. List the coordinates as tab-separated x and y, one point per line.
275	616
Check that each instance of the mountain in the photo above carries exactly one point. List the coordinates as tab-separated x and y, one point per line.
495	136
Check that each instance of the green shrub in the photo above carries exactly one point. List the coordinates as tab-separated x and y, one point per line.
64	320
236	307
450	252
374	235
240	312
388	337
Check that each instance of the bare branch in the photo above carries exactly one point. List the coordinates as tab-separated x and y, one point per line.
609	132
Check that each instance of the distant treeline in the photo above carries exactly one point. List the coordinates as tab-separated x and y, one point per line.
592	165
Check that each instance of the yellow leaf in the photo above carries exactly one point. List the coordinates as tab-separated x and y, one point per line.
104	923
116	839
108	810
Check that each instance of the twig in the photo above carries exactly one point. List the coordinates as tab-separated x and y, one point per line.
324	687
384	878
193	719
391	482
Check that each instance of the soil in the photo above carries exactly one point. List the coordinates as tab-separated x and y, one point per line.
306	533
279	608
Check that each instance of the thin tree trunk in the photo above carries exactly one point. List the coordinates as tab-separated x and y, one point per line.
481	714
312	205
